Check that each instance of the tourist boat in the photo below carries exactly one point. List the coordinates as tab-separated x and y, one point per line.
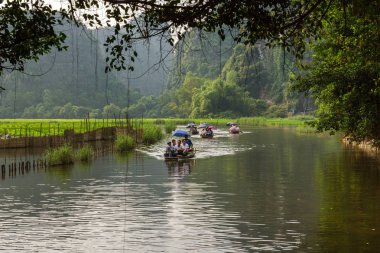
192	128
207	134
189	155
234	129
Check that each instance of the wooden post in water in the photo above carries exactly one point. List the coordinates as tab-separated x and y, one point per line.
3	171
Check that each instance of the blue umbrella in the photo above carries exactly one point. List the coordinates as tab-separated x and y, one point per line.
180	133
203	125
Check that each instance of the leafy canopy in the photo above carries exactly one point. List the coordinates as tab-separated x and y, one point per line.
344	76
28	27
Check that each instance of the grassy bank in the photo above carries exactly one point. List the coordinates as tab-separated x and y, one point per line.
246	121
46	127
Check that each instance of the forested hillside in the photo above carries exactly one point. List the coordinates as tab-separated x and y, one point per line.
73	83
219	78
204	77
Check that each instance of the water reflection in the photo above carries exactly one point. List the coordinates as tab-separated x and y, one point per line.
278	192
179	169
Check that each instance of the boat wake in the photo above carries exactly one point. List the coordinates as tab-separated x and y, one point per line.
222	144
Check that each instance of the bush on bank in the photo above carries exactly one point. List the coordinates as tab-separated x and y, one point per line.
85	153
124	143
60	156
152	134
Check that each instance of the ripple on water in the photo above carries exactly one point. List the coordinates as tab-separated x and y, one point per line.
144	217
140	211
217	144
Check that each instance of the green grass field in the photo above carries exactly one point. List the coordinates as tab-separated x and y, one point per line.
248	121
46	127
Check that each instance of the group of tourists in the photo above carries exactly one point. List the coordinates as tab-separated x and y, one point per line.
179	147
207	132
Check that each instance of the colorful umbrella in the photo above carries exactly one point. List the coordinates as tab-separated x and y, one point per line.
180	133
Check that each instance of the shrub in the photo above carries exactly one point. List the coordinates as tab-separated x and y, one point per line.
85	153
152	134
61	155
277	111
124	143
170	127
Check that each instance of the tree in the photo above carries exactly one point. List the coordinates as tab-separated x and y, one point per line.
286	23
111	111
26	32
344	76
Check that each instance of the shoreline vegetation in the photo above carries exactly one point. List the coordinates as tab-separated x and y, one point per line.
48	127
153	131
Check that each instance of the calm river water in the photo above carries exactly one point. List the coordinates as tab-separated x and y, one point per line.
265	190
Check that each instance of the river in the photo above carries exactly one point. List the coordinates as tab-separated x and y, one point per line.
264	190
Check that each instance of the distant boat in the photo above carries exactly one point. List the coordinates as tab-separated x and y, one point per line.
234	129
207	133
192	128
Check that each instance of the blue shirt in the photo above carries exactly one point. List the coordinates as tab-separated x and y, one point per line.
189	142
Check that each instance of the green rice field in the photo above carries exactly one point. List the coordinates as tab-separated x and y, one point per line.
46	127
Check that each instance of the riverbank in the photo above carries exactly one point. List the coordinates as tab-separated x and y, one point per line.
51	127
245	121
127	133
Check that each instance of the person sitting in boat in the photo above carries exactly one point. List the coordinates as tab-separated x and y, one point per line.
185	147
174	148
188	141
208	131
179	147
168	150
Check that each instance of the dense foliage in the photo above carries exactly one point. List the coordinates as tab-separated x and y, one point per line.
278	22
27	32
214	78
344	75
69	84
210	80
